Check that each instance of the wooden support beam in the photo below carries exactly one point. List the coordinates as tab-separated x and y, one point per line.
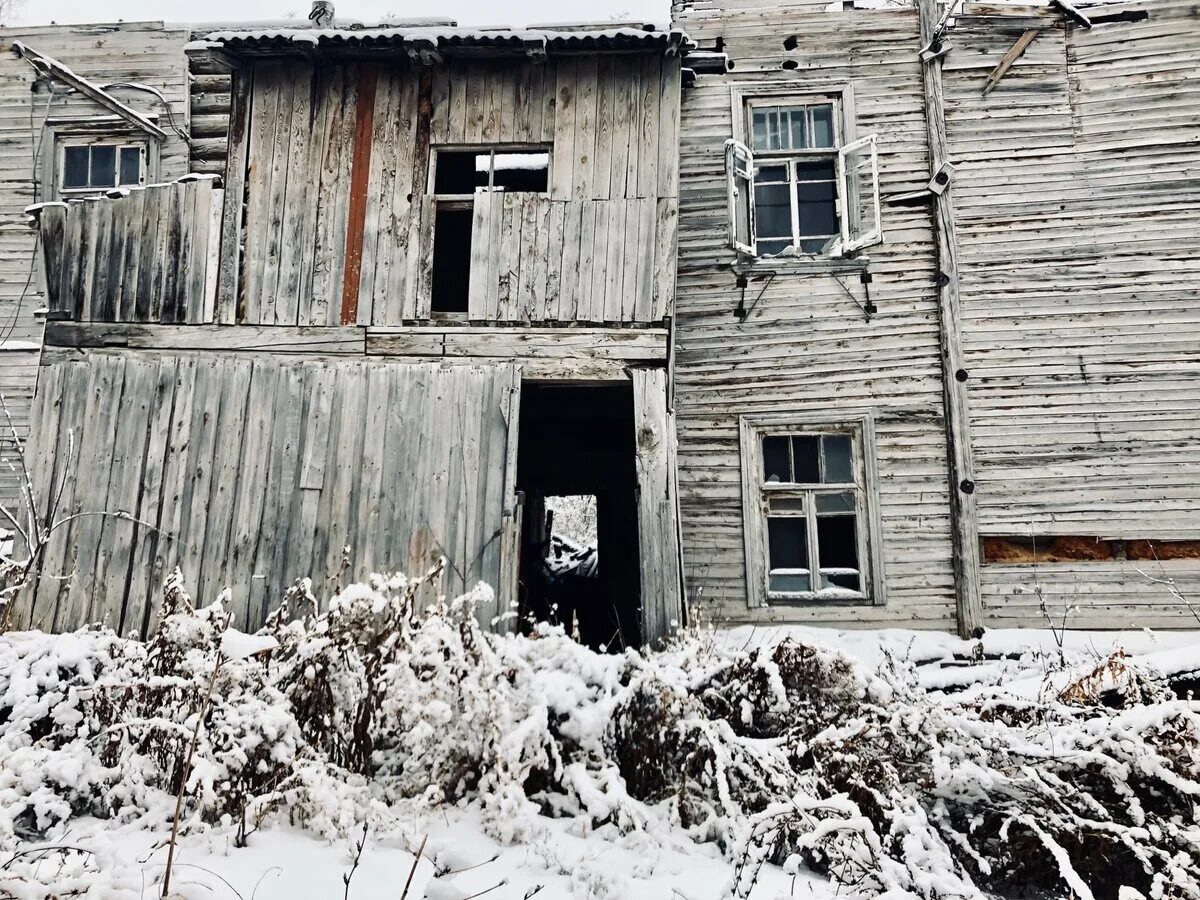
52	68
964	520
1014	53
236	162
360	176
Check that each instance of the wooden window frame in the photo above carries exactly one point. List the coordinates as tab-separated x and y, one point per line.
493	149
61	132
467	201
859	425
744	98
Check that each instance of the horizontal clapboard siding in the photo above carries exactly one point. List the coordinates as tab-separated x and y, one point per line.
251	473
1078	211
806	348
317	253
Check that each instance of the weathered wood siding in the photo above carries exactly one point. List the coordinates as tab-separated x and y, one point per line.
142	52
149	255
1077	202
249	473
209	101
339	221
806	347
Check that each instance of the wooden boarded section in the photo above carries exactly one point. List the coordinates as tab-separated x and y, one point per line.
148	255
658	520
527	264
339	221
251	473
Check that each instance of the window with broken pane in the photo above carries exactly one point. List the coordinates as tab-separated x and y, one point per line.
459	173
813	501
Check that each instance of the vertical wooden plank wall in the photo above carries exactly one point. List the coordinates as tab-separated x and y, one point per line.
1078	209
339	226
251	473
144	256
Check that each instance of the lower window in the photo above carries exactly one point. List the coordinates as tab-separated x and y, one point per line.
808	524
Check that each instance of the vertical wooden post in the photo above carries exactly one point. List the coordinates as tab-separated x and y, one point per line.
964	522
360	177
229	276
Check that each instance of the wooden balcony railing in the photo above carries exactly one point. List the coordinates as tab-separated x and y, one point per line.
147	254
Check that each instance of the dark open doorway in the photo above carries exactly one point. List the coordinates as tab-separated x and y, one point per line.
576	441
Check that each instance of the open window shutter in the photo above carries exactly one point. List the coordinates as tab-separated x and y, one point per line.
858	182
739	174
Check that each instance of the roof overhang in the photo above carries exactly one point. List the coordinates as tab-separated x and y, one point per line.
434	44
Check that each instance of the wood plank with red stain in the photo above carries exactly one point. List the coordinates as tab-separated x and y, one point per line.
360	174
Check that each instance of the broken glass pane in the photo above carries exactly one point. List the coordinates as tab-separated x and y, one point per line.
777	465
837	551
75	167
461	171
104	166
835	503
805	456
839	461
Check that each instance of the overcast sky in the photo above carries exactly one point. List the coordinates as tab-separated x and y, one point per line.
472	12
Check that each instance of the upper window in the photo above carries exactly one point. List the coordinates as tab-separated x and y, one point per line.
796	186
100	165
458	175
810	533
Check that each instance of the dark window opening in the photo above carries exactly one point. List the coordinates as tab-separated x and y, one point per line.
524	171
461	172
576	443
451	259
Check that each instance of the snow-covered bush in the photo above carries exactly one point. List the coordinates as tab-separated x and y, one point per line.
392	699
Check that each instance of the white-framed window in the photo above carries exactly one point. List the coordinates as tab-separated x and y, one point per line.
88	166
798	182
812	530
457	174
84	157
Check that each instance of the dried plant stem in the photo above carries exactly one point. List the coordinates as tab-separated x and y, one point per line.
183	775
413	870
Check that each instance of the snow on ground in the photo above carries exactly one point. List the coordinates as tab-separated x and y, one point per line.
532	767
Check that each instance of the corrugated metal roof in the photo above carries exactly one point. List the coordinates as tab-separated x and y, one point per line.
442	38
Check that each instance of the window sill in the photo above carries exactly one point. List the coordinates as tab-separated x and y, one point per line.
811	602
801	265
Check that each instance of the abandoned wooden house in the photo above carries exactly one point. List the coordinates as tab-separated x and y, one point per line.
938	311
845	316
70	94
433	287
